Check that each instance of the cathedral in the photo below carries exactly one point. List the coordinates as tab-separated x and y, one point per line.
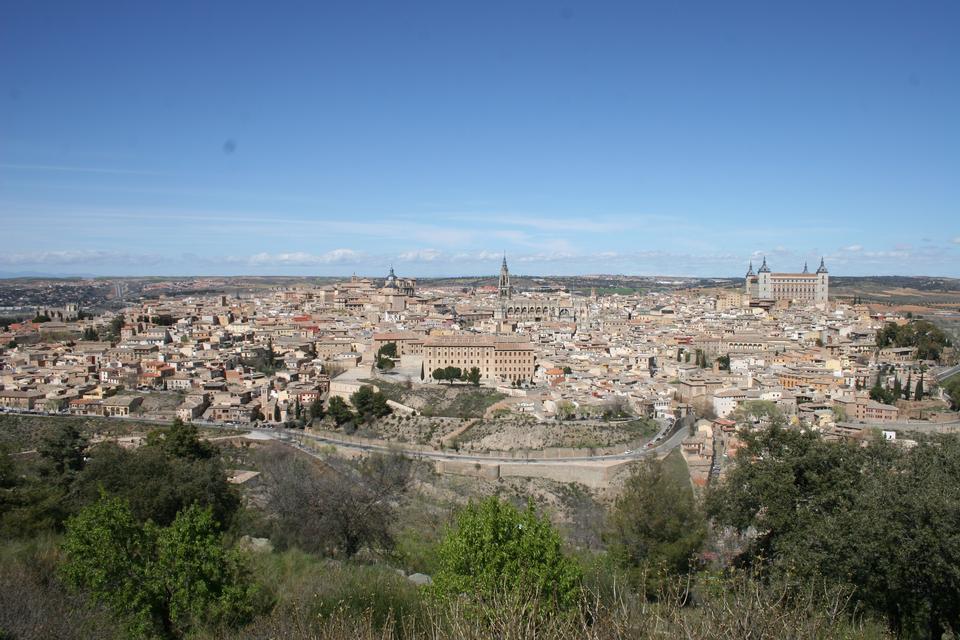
530	307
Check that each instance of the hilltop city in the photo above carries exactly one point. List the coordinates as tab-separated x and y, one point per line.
552	366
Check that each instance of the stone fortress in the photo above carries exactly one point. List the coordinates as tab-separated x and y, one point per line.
803	287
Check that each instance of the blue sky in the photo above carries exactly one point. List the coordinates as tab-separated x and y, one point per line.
584	137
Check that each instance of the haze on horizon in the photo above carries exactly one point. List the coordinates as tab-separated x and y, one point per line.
212	138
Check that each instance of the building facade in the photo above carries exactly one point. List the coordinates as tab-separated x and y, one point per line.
803	287
499	358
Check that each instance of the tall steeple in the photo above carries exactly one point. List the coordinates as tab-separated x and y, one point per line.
750	270
505	291
805	269
823	266
764	268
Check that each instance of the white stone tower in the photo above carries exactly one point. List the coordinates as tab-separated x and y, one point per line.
764	283
823	284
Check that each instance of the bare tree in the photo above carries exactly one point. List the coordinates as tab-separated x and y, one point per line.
33	603
338	508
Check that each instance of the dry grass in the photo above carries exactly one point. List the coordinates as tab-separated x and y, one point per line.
739	610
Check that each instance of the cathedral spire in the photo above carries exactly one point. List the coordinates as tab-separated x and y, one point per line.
823	266
503	286
805	269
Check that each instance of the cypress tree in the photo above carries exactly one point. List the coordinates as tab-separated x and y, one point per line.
919	394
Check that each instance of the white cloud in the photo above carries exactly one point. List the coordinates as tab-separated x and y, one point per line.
853	248
956	240
303	259
421	255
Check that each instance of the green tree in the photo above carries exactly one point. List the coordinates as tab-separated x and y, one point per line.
656	525
155	484
340	411
928	339
473	376
494	548
388	350
62	452
116	324
952	387
181	440
90	334
879	393
159	580
567	371
877	520
370	404
918	395
315	411
422	372
8	470
724	362
29	504
439	374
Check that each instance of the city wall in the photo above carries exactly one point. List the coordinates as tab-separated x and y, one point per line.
550	453
595	474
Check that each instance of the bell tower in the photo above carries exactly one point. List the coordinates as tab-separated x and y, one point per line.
505	292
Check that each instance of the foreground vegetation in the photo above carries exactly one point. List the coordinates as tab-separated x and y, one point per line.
806	539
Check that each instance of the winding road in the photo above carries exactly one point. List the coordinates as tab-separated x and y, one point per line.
670	435
668	443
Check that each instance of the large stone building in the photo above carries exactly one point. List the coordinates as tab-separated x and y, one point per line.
401	286
530	307
499	358
66	313
804	287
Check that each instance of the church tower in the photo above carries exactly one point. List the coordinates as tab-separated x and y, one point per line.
505	291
